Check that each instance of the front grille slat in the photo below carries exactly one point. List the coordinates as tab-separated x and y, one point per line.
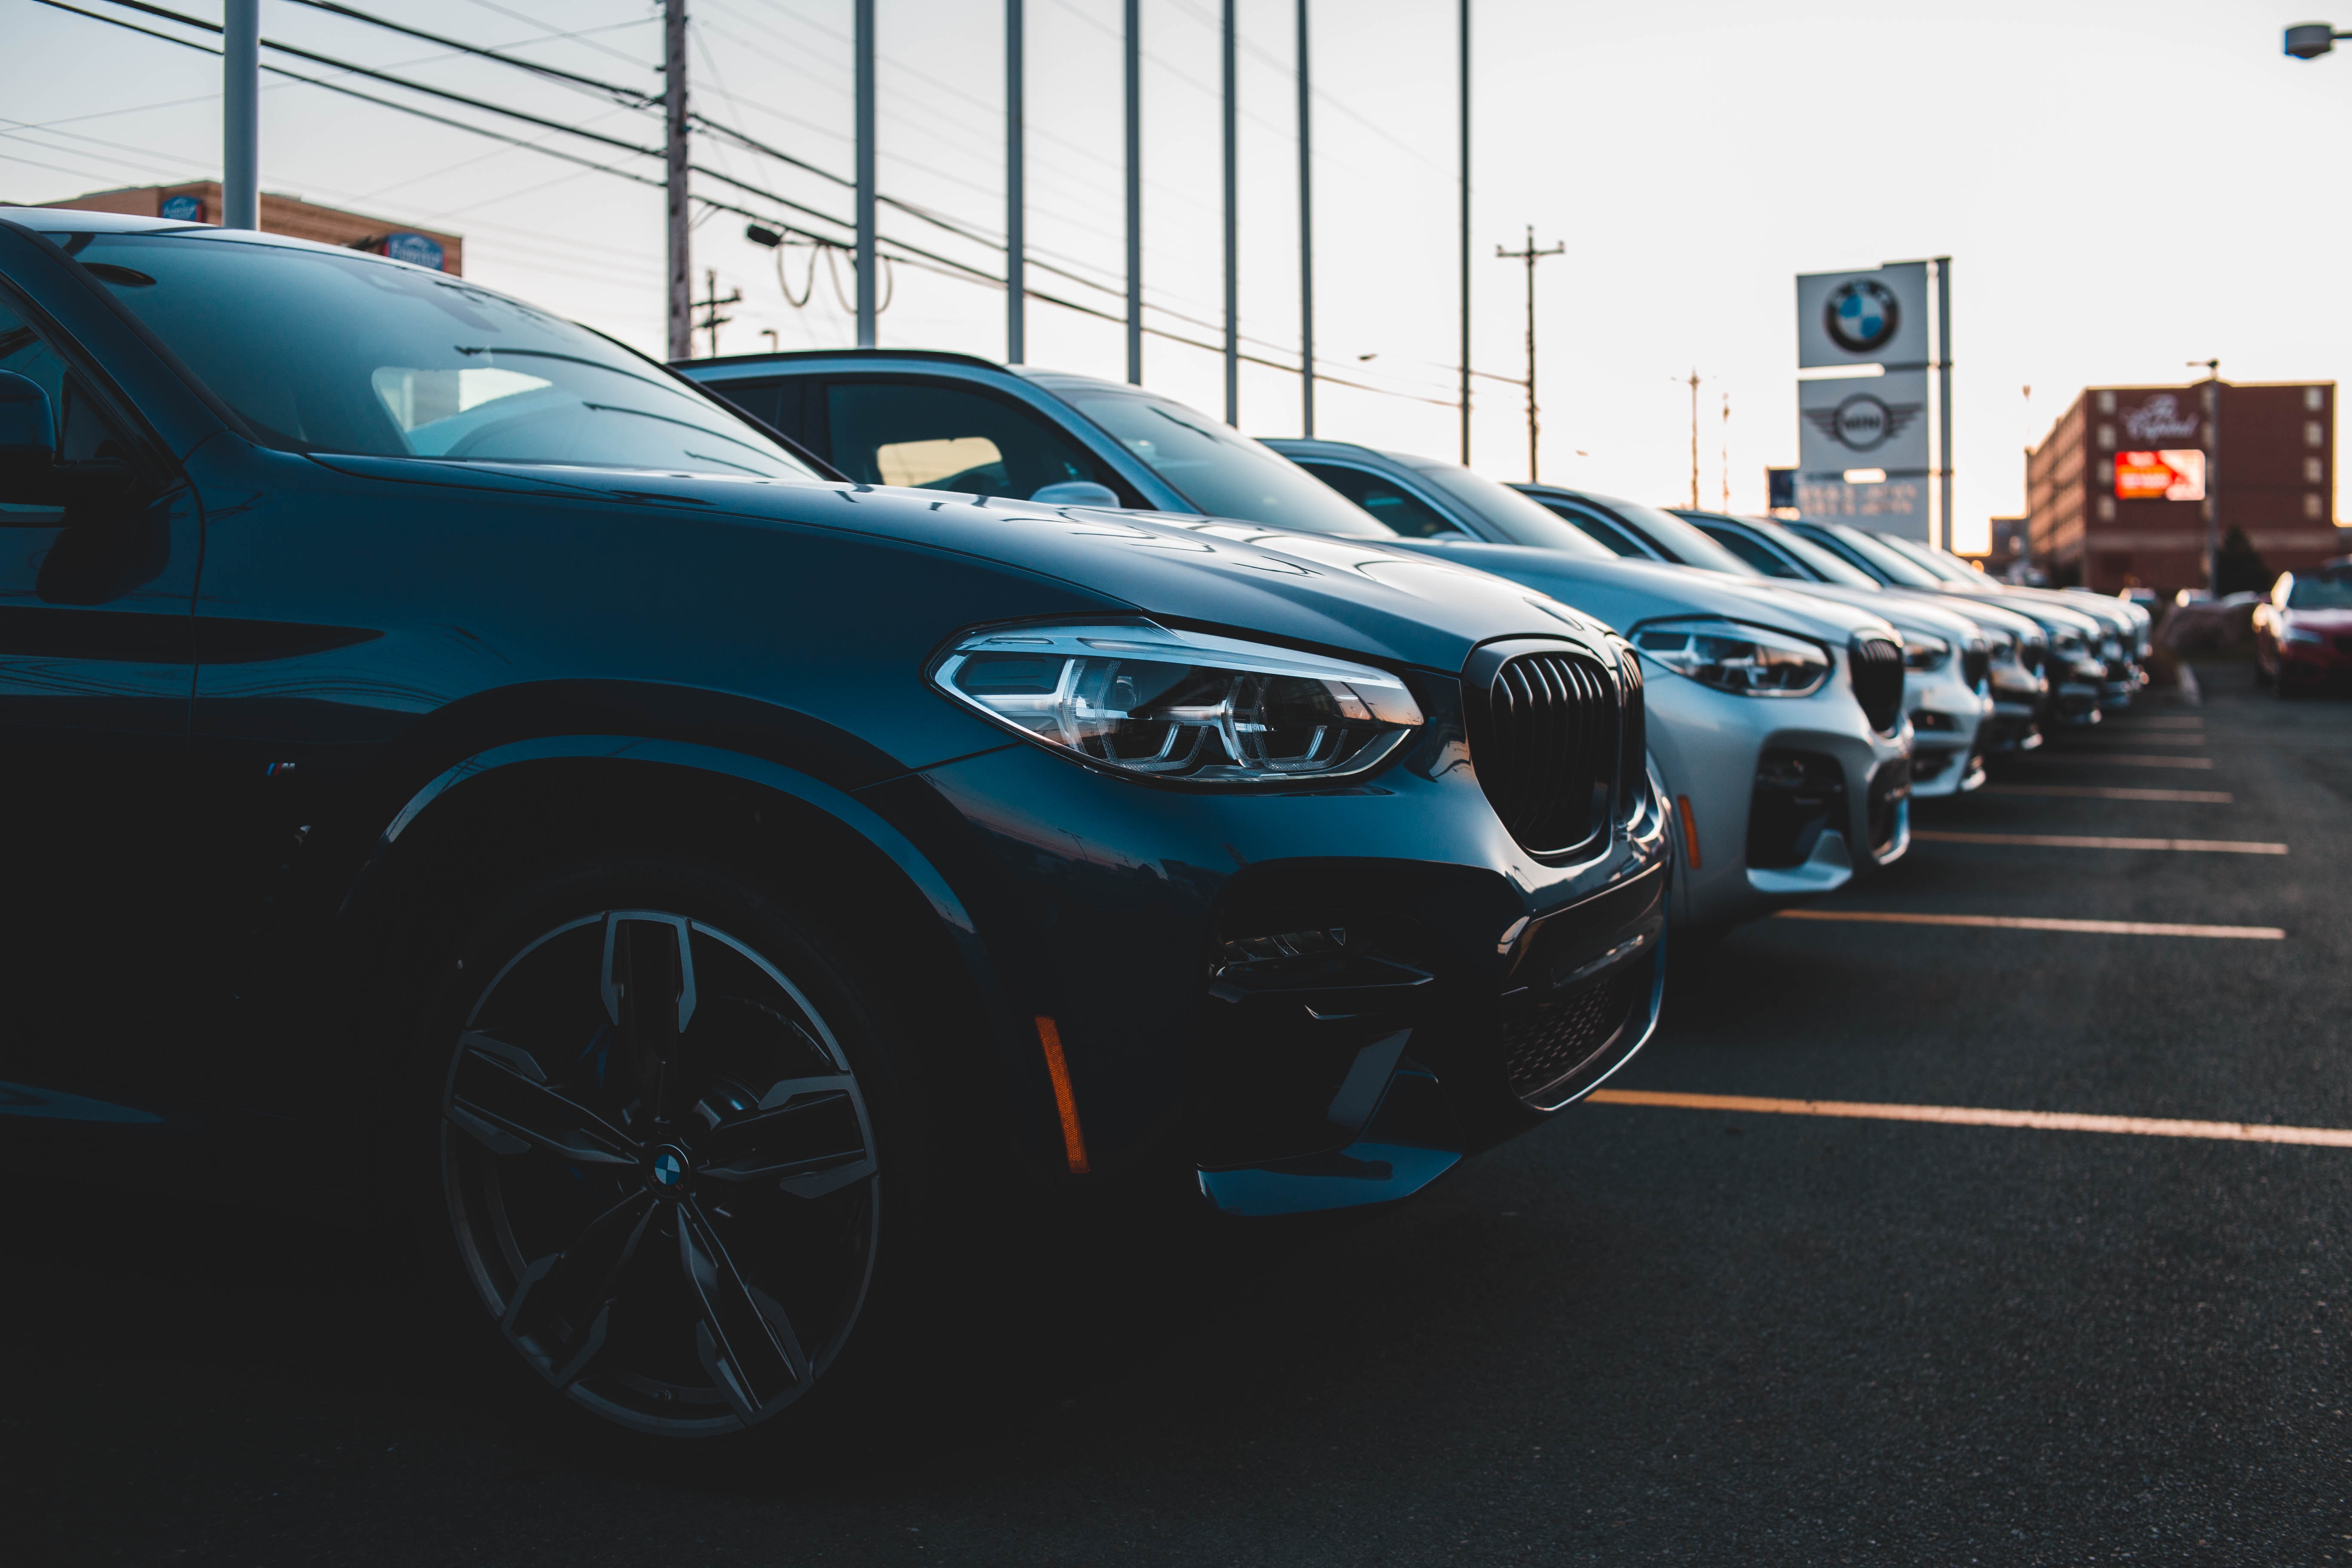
1547	735
1875	666
1974	664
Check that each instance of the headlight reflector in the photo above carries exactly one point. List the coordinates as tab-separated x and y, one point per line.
1180	705
1921	651
1731	656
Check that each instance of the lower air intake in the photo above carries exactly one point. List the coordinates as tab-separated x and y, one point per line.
1546	1046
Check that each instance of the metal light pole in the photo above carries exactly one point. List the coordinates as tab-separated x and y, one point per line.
1306	243
1016	246
1232	238
1133	36
674	160
241	115
1462	92
866	264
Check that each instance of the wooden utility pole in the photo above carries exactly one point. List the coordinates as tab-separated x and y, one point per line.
710	303
681	272
1531	256
1694	386
1726	451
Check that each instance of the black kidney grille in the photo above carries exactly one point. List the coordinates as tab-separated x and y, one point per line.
1974	664
1877	669
1633	730
1545	743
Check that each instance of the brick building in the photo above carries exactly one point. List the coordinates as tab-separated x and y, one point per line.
2114	493
199	201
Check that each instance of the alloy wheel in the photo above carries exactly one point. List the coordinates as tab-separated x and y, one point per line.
661	1172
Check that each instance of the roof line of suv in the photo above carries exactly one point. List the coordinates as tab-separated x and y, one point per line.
932	356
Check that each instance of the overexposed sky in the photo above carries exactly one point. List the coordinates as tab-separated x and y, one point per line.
2122	187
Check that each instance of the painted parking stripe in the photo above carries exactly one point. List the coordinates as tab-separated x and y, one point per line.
2159	723
2103	792
2071	841
2038	923
1971	1116
2150	740
2130	760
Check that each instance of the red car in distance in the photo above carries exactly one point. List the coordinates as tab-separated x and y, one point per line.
2303	633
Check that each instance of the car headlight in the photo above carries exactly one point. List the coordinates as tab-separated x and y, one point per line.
2066	644
1921	651
2305	633
1180	705
2111	648
1734	658
2001	646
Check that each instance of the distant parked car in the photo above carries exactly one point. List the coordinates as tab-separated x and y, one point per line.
1945	655
2303	633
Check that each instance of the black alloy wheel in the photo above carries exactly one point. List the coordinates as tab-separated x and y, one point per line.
660	1166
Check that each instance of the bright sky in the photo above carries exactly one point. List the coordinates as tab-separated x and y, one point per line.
2122	187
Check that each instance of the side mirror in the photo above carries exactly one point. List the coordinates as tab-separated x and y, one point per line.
1076	492
31	473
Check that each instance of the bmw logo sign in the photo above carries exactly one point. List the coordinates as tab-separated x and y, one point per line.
669	1167
1861	315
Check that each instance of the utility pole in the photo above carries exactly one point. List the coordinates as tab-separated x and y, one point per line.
867	265
1694	386
1306	243
681	274
1232	238
711	320
1462	94
2213	474
1134	50
1530	256
241	115
1727	452
1016	244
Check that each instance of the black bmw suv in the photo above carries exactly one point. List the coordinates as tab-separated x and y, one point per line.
452	756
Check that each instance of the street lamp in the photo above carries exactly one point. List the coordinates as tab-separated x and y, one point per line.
2309	40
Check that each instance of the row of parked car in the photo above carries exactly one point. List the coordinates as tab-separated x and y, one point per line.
706	842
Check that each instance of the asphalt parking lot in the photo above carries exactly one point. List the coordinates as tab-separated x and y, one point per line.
1648	1334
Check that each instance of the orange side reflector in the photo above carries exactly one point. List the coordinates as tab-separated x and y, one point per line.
1690	829
1074	1137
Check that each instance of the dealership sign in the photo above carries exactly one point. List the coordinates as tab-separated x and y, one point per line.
2173	474
1863	422
1878	317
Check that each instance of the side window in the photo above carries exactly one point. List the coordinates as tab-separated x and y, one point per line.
932	435
1749	550
775	404
1407	514
1600	530
82	431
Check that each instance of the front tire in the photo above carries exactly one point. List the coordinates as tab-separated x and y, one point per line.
668	1123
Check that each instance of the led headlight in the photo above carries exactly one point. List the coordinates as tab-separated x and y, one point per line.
1921	651
1731	656
2001	646
1180	705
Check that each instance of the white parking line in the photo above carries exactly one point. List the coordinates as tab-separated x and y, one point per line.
2131	759
1971	1116
2160	723
2150	740
2104	792
2069	841
2038	922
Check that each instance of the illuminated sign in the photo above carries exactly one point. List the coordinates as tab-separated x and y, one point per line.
2160	476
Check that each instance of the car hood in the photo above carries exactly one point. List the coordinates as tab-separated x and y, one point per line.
1625	592
1954	624
1360	596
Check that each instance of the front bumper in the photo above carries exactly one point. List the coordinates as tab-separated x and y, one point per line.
1947	722
1418	966
1774	799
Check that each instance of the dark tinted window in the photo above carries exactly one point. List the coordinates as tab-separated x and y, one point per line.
935	436
775	404
79	428
1600	530
334	352
2325	590
1218	468
1751	552
1406	513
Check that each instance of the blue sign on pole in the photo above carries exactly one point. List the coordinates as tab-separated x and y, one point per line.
184	209
418	249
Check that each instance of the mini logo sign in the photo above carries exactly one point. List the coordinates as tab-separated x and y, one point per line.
1864	422
184	209
418	249
2168	475
1861	315
2159	418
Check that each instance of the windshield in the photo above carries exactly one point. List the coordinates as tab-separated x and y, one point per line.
1513	515
1889	565
1935	561
2332	591
1221	470
1828	565
1681	540
320	352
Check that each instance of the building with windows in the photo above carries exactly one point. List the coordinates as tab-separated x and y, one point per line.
199	201
2115	492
